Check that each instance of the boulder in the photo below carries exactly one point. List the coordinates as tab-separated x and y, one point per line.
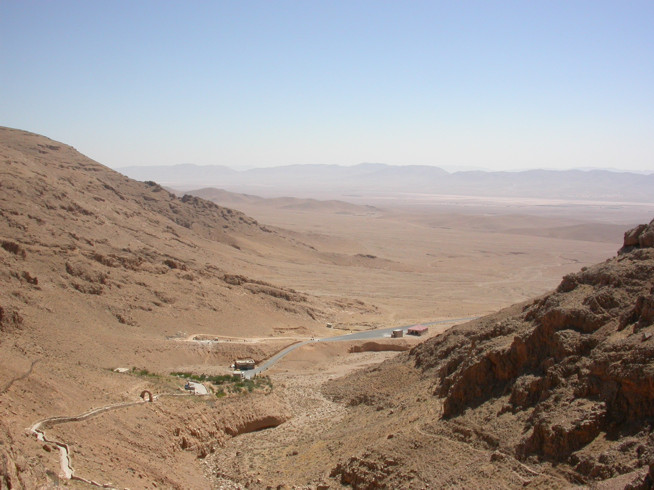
642	236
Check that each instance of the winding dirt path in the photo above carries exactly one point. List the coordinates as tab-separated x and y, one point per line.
64	453
6	387
321	410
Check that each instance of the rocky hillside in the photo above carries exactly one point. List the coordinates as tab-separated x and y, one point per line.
556	392
77	233
98	271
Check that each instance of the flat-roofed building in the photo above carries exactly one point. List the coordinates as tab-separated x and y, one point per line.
244	364
418	330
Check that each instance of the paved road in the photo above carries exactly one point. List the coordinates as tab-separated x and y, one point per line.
366	335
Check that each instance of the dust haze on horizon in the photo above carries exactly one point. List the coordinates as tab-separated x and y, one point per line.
466	85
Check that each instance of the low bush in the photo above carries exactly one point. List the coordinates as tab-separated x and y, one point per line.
230	382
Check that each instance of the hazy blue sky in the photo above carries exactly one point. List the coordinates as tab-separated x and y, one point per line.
494	84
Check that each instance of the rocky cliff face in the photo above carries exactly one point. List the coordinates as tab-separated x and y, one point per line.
571	367
553	393
641	236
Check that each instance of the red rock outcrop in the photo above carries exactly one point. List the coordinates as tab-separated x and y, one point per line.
575	366
642	236
15	470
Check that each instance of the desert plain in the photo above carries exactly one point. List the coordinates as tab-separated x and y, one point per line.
110	285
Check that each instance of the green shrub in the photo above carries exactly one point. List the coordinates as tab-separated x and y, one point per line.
228	382
143	372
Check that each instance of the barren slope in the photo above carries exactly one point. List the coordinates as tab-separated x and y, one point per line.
98	271
226	198
554	392
130	248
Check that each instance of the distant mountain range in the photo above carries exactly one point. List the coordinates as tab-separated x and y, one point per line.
375	179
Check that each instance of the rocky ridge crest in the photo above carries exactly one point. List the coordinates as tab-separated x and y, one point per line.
578	363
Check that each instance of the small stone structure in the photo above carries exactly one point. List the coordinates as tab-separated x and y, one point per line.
145	393
244	364
397	333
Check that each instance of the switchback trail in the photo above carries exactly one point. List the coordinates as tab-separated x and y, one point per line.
64	453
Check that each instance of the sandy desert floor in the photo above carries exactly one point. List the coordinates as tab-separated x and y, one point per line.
399	263
441	260
424	259
101	272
